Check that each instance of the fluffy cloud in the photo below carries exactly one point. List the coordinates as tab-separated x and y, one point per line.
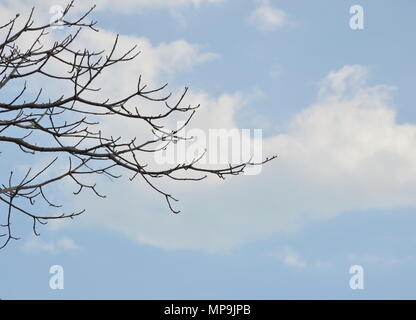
344	152
154	62
268	18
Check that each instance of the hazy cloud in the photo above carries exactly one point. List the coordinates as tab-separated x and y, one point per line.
38	245
268	18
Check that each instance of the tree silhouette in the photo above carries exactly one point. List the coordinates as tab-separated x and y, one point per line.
67	126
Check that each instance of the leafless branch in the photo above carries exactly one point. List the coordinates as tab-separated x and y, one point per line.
66	126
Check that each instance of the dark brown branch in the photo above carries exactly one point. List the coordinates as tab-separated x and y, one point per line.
68	127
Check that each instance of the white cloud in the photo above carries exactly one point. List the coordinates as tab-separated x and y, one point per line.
154	62
38	245
268	18
344	152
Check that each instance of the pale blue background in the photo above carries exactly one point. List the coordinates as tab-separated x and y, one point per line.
111	266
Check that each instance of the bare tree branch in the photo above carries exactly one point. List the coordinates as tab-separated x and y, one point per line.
67	124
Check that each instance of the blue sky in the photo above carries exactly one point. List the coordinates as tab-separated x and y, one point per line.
336	105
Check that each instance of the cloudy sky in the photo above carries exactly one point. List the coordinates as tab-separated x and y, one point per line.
335	104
